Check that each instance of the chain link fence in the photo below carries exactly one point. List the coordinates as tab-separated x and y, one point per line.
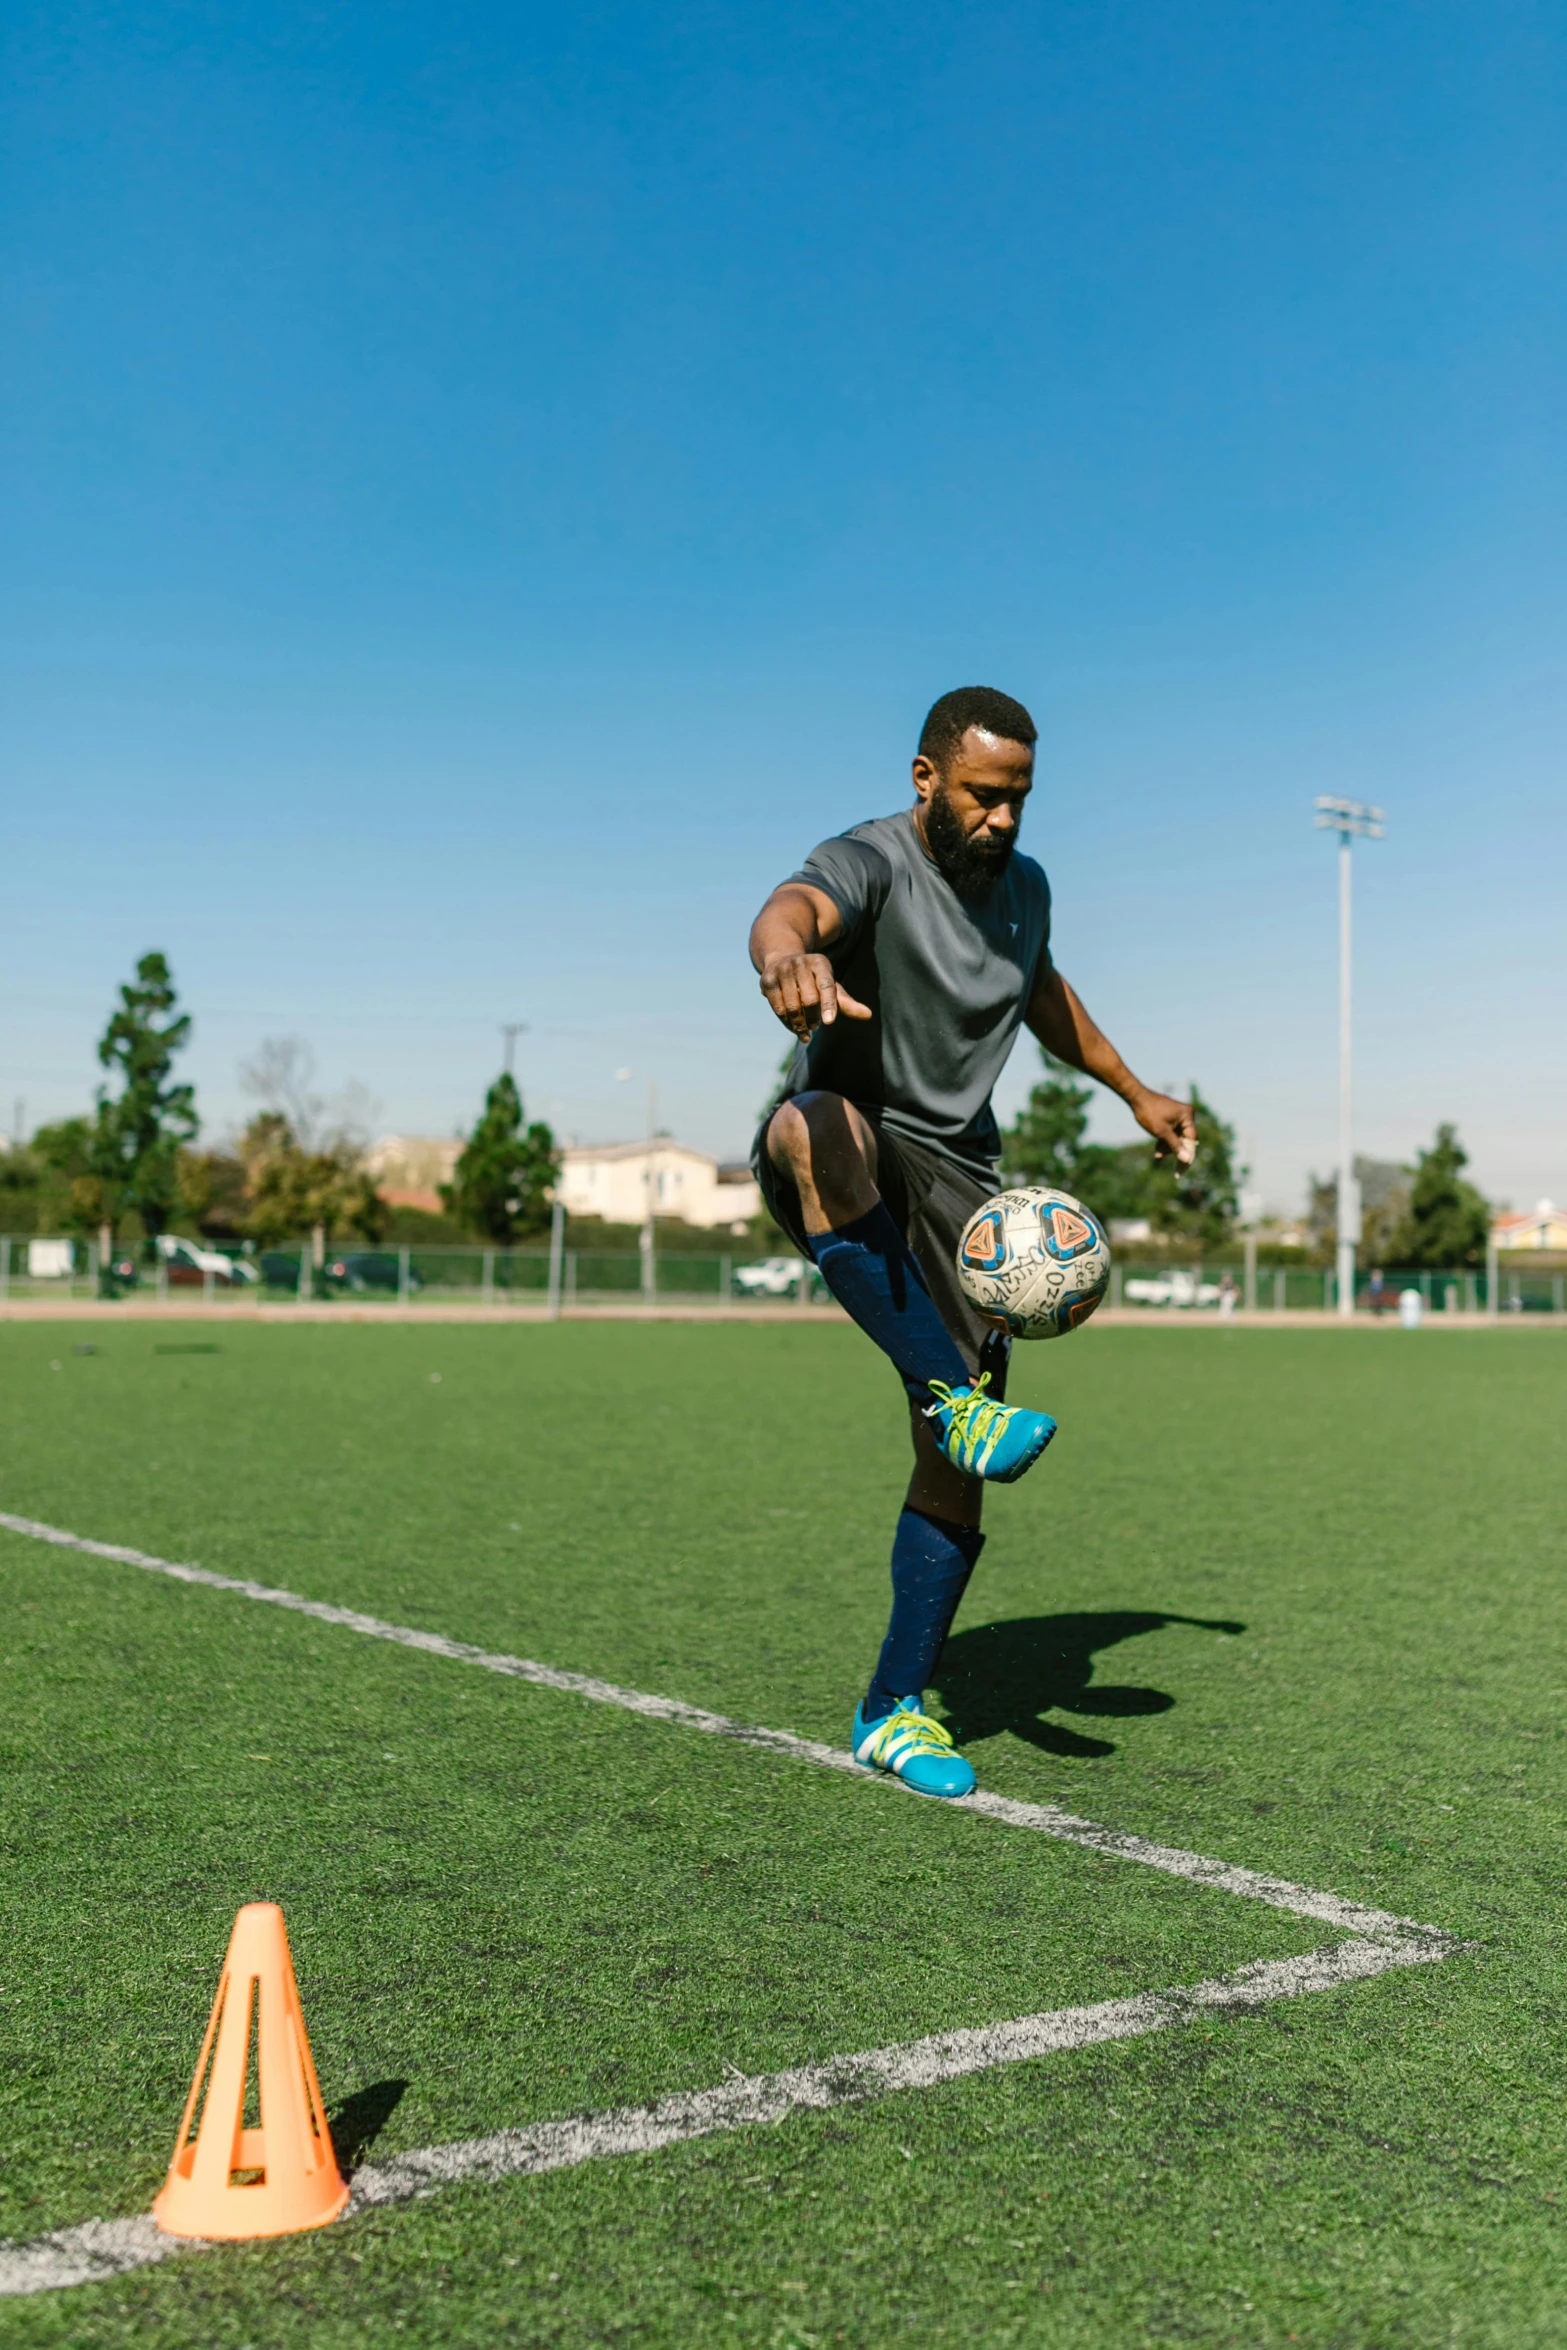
38	1267
1308	1288
34	1268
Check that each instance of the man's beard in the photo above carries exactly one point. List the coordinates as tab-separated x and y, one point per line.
970	865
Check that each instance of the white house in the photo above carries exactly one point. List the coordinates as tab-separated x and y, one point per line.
611	1180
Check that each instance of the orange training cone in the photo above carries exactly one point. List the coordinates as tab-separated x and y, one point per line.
230	2181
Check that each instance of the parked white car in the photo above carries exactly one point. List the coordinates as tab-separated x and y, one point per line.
187	1261
1174	1288
772	1277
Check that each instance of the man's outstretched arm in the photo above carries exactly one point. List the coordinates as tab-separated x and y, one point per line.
789	942
1057	1017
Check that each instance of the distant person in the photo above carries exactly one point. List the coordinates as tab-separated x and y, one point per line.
1376	1292
905	954
1229	1296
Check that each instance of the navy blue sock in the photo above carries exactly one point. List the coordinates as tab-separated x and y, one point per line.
931	1564
871	1271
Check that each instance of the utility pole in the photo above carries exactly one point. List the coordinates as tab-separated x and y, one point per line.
511	1030
1351	820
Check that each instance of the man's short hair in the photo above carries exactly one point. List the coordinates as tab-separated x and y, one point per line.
973	705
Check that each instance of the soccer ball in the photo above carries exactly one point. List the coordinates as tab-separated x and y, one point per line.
1034	1262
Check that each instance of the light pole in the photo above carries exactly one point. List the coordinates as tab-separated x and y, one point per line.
650	1228
649	1239
1351	820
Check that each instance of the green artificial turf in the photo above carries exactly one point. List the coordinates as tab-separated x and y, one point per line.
1287	1598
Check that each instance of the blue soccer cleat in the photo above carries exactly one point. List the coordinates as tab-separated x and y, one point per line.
996	1441
914	1748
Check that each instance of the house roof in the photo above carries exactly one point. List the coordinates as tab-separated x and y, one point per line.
1543	1219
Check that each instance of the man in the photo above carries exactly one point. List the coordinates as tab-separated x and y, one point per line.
905	955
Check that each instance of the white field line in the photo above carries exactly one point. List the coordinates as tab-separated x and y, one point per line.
1045	1819
107	2248
110	2248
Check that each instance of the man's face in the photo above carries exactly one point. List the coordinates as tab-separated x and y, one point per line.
970	811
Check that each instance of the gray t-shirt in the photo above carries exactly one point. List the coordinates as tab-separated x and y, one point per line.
947	979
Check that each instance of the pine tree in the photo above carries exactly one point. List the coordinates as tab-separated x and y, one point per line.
138	1136
1448	1220
501	1185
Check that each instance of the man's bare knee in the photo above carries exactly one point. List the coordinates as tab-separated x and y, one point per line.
817	1130
829	1150
788	1137
800	1125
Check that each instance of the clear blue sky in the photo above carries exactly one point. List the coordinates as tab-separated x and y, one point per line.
489	487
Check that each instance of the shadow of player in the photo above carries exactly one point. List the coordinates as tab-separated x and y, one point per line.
1005	1676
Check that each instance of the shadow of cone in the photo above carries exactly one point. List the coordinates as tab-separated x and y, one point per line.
228	2180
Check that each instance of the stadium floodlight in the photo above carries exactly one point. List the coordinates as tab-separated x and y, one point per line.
1352	820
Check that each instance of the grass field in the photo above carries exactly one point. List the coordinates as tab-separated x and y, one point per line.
1290	1599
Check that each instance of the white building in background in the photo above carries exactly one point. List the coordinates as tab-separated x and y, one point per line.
608	1179
611	1180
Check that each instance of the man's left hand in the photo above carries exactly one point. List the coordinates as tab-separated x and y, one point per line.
1172	1124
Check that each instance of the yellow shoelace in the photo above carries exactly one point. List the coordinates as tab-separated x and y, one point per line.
908	1733
977	1421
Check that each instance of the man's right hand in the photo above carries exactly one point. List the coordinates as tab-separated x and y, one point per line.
802	991
1172	1124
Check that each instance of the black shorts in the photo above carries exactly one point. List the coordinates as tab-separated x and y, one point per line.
930	1198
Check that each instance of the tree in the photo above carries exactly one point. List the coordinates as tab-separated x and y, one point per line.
501	1184
289	1191
212	1192
70	1192
360	1205
1448	1220
281	1202
281	1077
137	1137
1199	1202
24	1184
1048	1145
